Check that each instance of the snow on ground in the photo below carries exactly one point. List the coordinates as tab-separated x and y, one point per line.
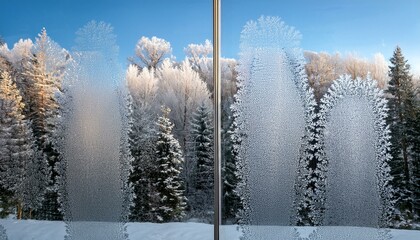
33	230
55	230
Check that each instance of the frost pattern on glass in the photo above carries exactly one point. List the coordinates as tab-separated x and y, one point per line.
355	176
271	109
3	235
95	158
351	194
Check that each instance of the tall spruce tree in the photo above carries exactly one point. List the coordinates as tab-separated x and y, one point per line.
45	72
15	151
402	120
416	162
21	169
142	139
167	179
201	151
231	200
6	200
142	85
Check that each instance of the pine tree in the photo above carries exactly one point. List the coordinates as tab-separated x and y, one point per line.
231	200
7	203
167	178
45	72
231	203
142	147
14	136
142	86
36	182
15	60
402	121
18	159
202	153
416	162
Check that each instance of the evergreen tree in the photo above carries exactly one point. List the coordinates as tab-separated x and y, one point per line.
45	72
15	60
167	178
5	65
231	201
202	153
142	147
7	204
14	148
402	121
17	155
416	162
6	197
36	182
142	86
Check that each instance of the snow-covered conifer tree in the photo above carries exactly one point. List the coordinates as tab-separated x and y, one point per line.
142	138
36	183
231	200
200	58
18	57
404	136
167	178
15	137
182	90
201	151
45	72
22	169
416	162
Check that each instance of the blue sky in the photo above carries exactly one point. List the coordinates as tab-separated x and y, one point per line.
361	26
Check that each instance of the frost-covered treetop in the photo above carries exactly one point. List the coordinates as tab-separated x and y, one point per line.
270	32
8	91
142	84
50	54
21	50
199	50
152	51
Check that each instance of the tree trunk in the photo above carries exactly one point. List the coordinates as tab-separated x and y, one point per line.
19	211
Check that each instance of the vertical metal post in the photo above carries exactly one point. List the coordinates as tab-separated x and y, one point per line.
217	119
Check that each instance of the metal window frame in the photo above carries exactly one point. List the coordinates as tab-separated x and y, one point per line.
217	118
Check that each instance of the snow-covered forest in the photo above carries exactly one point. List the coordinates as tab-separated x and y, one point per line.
168	108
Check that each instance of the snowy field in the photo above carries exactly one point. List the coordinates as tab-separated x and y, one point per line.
50	230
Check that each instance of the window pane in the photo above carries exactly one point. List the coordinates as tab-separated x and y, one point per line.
106	120
312	143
